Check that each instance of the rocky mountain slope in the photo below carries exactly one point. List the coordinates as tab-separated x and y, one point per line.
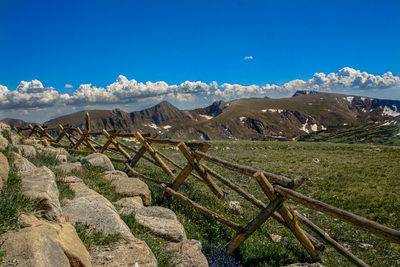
306	112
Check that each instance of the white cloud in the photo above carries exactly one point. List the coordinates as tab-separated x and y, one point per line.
33	94
248	58
68	86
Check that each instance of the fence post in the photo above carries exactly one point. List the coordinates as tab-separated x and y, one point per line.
201	171
287	216
153	153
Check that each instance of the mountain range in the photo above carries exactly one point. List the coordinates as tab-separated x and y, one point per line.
306	116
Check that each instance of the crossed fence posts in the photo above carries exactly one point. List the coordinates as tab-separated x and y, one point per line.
277	188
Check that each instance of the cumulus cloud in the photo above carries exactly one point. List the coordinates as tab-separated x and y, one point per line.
33	94
248	58
68	86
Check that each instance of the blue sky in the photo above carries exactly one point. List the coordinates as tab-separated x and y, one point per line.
81	42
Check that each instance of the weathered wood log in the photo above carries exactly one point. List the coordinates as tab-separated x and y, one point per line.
137	156
62	129
177	166
173	142
116	144
138	174
201	171
376	228
33	130
87	121
235	187
136	151
325	236
272	178
253	225
155	156
287	215
201	209
45	134
179	180
86	140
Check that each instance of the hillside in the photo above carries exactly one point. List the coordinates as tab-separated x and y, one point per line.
303	116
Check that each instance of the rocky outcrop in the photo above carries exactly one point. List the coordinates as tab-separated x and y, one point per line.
99	160
187	254
129	205
69	167
162	222
44	244
26	150
125	253
40	186
22	164
4	169
131	187
93	210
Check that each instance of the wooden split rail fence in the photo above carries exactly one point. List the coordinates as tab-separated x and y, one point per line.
277	188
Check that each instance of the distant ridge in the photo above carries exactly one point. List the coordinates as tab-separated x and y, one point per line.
305	113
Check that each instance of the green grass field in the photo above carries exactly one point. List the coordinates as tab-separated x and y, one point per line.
363	179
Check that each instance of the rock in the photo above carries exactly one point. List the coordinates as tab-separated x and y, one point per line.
4	127
3	143
15	138
4	169
26	150
99	160
54	152
69	167
33	142
276	238
129	205
315	160
187	254
93	210
22	164
112	175
132	252
43	243
131	187
62	158
40	185
161	222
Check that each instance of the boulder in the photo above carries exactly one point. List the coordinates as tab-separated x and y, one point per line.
3	143
4	127
112	175
69	167
132	187
132	252
15	138
187	254
4	169
93	210
162	222
54	152
26	150
99	160
62	158
40	185
33	142
22	164
43	243
129	205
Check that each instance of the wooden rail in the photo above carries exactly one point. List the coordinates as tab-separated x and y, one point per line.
277	188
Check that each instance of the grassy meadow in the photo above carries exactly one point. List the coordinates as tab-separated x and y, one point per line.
363	179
